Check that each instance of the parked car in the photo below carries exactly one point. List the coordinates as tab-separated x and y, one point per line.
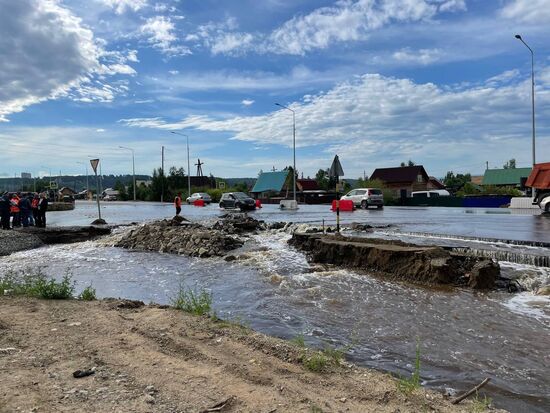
365	197
199	195
432	193
237	200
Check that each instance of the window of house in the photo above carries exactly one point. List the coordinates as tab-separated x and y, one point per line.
419	178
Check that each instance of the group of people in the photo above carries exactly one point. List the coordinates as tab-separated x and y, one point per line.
18	210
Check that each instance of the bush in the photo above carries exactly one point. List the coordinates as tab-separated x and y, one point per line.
215	194
198	303
88	294
36	284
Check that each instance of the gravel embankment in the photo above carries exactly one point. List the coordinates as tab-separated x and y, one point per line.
13	241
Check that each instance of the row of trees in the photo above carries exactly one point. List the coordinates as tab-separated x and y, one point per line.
167	186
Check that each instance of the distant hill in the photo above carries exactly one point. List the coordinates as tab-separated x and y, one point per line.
76	182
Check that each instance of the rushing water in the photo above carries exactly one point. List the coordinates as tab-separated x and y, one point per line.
465	336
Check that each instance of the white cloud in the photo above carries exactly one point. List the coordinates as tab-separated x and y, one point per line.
505	77
451	6
47	54
299	76
120	6
527	11
392	118
346	21
232	43
422	56
247	102
160	31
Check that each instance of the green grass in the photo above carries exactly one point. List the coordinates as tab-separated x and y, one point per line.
299	341
191	301
319	361
480	405
36	284
409	385
88	294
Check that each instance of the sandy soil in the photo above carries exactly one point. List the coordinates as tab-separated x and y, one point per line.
157	359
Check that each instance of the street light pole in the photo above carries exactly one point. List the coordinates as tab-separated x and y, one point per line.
293	147
133	168
188	163
87	184
532	91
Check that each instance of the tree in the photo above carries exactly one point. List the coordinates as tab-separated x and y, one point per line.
119	186
159	184
409	163
321	177
511	164
455	182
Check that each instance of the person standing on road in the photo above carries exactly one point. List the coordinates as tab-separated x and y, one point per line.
25	210
5	211
42	208
15	211
34	208
177	203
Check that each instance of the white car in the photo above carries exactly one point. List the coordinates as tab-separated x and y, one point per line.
365	197
199	195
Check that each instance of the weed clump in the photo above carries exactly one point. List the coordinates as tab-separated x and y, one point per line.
321	360
409	385
191	301
481	405
37	284
88	294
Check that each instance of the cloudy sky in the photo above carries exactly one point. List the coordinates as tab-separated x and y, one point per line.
441	82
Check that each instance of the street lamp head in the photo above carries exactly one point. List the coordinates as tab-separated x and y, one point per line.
517	36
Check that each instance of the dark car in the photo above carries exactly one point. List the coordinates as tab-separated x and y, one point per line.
237	200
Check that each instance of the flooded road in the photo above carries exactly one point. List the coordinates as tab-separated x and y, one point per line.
527	225
465	336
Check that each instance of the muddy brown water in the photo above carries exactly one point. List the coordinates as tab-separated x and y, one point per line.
464	336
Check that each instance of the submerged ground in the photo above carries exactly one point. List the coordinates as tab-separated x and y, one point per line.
465	336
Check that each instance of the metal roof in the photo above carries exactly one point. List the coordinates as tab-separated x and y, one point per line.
400	174
270	181
510	176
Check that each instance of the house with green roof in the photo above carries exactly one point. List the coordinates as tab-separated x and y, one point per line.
515	177
270	183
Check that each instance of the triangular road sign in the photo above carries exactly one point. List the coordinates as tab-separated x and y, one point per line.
336	168
94	163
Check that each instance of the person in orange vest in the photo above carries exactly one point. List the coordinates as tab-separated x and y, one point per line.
15	211
34	208
177	203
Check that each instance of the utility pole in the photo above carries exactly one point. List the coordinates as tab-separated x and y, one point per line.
162	176
293	147
188	162
133	168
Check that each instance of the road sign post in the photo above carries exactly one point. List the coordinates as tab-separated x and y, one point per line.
95	163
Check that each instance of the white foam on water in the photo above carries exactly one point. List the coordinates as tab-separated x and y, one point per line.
531	305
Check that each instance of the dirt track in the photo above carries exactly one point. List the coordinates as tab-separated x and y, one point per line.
153	359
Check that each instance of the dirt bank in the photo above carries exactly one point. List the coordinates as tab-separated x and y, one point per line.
428	265
153	359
